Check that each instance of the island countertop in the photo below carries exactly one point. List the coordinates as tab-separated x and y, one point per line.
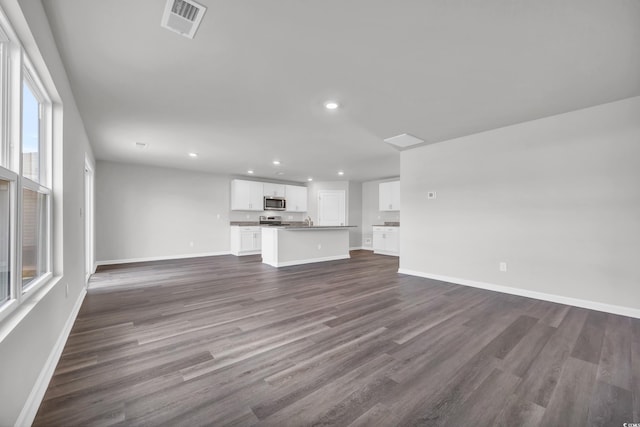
311	227
285	245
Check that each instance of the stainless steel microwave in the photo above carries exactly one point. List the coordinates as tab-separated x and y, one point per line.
274	203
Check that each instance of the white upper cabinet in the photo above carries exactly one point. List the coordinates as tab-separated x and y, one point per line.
296	198
274	190
246	195
389	196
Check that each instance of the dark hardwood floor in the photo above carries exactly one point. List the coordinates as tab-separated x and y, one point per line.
229	341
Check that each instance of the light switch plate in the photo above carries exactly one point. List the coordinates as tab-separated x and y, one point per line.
431	195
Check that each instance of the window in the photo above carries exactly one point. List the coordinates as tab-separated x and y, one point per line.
7	179
35	195
30	134
5	241
25	175
34	235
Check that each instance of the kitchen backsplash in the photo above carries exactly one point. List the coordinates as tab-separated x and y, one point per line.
388	217
254	216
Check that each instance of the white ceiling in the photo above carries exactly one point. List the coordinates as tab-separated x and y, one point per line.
250	87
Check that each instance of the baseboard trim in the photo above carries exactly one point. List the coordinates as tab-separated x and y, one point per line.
357	248
30	408
308	261
379	252
592	305
160	258
256	252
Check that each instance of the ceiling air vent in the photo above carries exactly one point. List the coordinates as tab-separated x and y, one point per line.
404	140
183	17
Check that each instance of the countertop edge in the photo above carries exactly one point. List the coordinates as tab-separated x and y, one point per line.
313	227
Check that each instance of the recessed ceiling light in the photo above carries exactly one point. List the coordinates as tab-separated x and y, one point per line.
279	173
309	179
340	173
250	171
193	154
331	105
276	162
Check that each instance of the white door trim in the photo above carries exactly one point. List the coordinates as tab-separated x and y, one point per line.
89	219
341	209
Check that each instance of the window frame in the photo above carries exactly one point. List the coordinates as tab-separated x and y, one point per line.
38	280
12	178
45	143
16	69
5	151
44	128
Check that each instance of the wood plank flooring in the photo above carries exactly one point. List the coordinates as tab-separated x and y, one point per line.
229	341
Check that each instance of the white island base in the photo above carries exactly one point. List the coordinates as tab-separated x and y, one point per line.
284	246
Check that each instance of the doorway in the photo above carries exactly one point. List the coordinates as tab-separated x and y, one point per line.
89	246
331	207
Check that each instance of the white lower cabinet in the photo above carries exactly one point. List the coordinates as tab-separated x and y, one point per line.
246	240
386	240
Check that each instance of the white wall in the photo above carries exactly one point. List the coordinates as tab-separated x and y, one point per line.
371	215
30	334
557	199
150	212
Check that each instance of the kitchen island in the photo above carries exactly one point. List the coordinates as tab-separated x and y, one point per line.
293	245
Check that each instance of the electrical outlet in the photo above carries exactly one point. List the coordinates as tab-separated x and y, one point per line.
367	241
503	266
290	217
218	216
248	216
319	246
191	244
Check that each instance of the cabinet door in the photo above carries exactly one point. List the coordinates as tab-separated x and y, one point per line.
257	240
389	196
256	202
240	194
247	240
246	195
384	197
395	195
392	241
296	198
276	190
378	239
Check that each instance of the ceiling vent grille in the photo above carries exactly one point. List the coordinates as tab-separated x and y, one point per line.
183	17
404	140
